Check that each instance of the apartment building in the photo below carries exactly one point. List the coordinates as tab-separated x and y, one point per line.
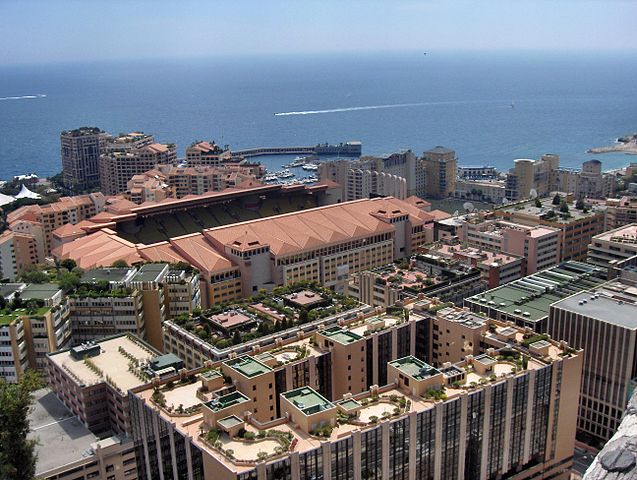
207	153
148	187
492	191
81	149
118	167
149	280
577	227
473	172
369	183
354	186
539	245
92	380
526	301
504	411
529	175
441	166
496	268
620	212
17	251
602	321
66	449
35	322
611	247
128	142
40	220
182	291
107	303
588	182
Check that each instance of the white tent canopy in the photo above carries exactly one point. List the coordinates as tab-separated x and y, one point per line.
26	193
6	199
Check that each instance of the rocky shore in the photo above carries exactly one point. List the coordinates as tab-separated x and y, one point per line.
626	144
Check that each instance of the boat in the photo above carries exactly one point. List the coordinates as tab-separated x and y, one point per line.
270	177
310	167
285	174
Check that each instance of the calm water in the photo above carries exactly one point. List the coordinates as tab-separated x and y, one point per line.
563	104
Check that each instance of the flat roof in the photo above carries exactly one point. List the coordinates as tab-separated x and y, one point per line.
305	298
111	361
248	366
225	401
62	438
8	289
308	400
604	308
41	291
340	335
150	272
231	421
530	297
415	368
106	275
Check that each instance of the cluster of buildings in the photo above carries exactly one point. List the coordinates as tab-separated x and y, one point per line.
379	395
39	319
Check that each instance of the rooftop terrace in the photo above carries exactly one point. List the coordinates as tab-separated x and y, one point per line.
415	368
225	401
340	335
248	366
307	400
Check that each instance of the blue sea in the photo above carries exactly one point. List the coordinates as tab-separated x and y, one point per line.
562	103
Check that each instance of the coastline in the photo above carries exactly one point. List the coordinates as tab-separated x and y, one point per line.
626	144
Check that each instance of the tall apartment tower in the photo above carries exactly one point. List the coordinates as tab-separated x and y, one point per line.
81	149
441	166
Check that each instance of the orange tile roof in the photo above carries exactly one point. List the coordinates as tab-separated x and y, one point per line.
101	249
161	252
196	249
317	227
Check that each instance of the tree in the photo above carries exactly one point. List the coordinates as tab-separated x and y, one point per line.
68	263
236	338
119	264
17	452
68	281
34	274
579	204
557	199
538	203
564	207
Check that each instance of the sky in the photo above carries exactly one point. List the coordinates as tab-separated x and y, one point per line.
44	31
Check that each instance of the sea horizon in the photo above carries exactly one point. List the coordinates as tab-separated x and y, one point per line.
490	106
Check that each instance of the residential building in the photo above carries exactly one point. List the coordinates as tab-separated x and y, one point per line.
107	303
441	166
41	220
359	185
150	279
92	380
505	410
127	142
577	227
34	322
527	176
369	184
589	182
539	245
17	251
65	448
611	247
148	187
118	167
620	212
492	191
526	301
471	172
602	321
182	292
81	149
207	153
496	268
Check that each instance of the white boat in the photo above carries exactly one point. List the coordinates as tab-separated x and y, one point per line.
310	167
270	177
284	174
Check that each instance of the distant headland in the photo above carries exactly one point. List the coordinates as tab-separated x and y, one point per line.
626	144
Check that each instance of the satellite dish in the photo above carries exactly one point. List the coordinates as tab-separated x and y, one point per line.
456	213
504	201
468	206
533	194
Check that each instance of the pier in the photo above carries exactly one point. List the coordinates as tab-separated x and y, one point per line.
348	149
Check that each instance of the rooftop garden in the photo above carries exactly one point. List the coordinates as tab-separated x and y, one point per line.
9	311
268	312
